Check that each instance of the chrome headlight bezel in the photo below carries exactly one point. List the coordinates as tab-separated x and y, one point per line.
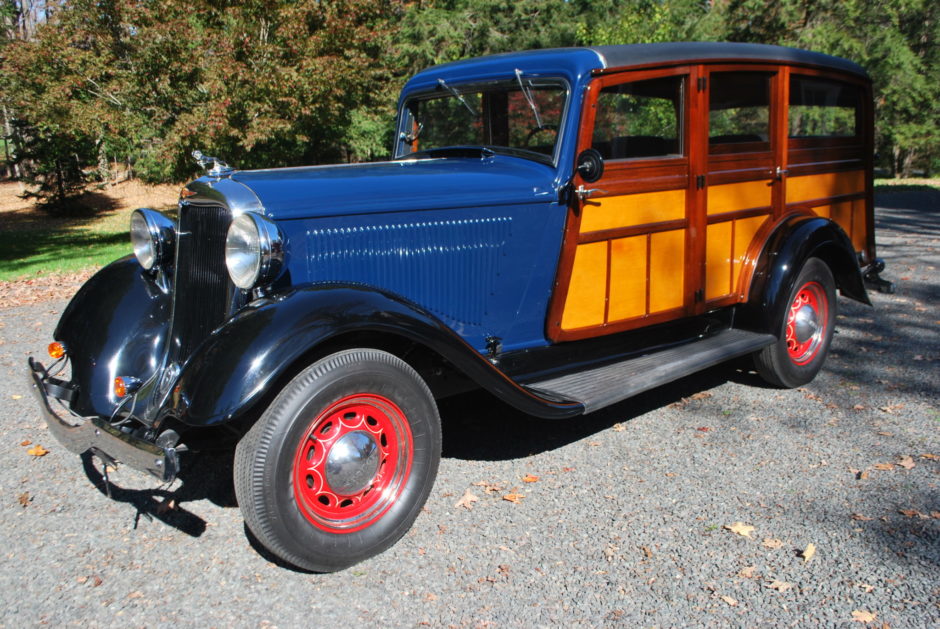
254	251
153	238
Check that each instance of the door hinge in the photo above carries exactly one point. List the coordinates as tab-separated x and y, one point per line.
702	83
699	295
700	181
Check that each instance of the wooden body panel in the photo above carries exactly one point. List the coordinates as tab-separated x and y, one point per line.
667	237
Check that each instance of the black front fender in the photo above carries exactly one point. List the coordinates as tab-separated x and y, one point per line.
238	364
116	325
793	242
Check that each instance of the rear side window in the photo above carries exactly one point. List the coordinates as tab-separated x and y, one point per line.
739	108
639	119
823	108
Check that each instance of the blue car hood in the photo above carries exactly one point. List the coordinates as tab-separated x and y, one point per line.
405	185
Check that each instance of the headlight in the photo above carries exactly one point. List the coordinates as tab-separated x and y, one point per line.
253	250
152	236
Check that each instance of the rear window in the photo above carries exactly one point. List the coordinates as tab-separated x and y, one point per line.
823	108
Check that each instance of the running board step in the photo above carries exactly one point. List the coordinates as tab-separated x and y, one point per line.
603	386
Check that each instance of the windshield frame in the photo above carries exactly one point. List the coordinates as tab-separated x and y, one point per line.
405	119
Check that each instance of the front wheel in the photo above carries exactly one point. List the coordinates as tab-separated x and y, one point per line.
806	332
338	467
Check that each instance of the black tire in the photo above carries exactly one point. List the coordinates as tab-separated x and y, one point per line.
808	321
282	481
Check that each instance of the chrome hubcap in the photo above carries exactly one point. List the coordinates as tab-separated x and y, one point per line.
352	463
806	324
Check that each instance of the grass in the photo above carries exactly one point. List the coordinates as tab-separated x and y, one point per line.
30	252
94	233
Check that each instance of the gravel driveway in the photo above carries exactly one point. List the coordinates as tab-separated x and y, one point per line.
635	518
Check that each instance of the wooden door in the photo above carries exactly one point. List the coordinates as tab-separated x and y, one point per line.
740	142
625	262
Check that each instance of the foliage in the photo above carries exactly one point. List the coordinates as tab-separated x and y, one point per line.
285	82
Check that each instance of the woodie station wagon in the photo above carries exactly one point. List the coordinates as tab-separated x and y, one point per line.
563	228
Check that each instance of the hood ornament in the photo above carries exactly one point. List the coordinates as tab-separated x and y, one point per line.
213	165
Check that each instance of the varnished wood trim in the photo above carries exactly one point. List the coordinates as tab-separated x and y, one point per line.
633	230
730	216
620	326
838	198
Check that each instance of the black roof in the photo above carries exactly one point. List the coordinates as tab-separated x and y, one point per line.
625	55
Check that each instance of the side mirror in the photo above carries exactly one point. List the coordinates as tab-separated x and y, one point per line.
590	165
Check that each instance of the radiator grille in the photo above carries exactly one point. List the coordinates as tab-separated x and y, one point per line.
203	288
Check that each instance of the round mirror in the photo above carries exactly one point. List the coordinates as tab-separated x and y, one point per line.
590	165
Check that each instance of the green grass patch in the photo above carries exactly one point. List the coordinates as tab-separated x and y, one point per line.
28	252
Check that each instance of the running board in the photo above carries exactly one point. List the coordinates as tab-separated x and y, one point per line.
603	386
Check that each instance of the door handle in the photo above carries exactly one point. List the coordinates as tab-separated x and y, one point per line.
780	173
584	193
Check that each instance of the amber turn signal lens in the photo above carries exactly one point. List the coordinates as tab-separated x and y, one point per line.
56	350
120	387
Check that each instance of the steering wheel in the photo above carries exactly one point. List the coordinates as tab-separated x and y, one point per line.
534	130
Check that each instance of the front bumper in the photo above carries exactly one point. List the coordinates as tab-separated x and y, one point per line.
96	435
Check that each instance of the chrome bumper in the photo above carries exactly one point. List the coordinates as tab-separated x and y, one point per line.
98	436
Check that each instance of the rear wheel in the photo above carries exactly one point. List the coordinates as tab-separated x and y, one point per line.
808	323
339	466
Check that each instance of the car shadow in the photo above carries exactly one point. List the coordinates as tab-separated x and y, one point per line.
479	427
202	476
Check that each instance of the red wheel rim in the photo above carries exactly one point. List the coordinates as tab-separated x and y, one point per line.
807	319
363	418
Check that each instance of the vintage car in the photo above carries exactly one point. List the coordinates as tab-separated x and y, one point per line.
562	228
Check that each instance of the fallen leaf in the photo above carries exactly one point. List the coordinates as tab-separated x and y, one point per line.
911	513
748	572
867	588
24	498
513	498
619	427
740	528
780	586
17	397
729	601
808	552
82	579
860	517
490	488
935	515
701	395
885	434
907	462
37	450
136	594
703	429
594	444
96	581
529	478
932	457
884	467
860	615
772	543
26	442
466	501
858	407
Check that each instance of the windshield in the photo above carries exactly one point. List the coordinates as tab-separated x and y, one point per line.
521	116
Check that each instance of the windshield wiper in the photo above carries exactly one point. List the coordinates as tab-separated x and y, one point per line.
458	96
529	99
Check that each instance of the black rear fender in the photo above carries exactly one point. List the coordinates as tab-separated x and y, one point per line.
793	242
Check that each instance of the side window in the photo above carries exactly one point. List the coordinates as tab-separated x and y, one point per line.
823	108
739	109
640	119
